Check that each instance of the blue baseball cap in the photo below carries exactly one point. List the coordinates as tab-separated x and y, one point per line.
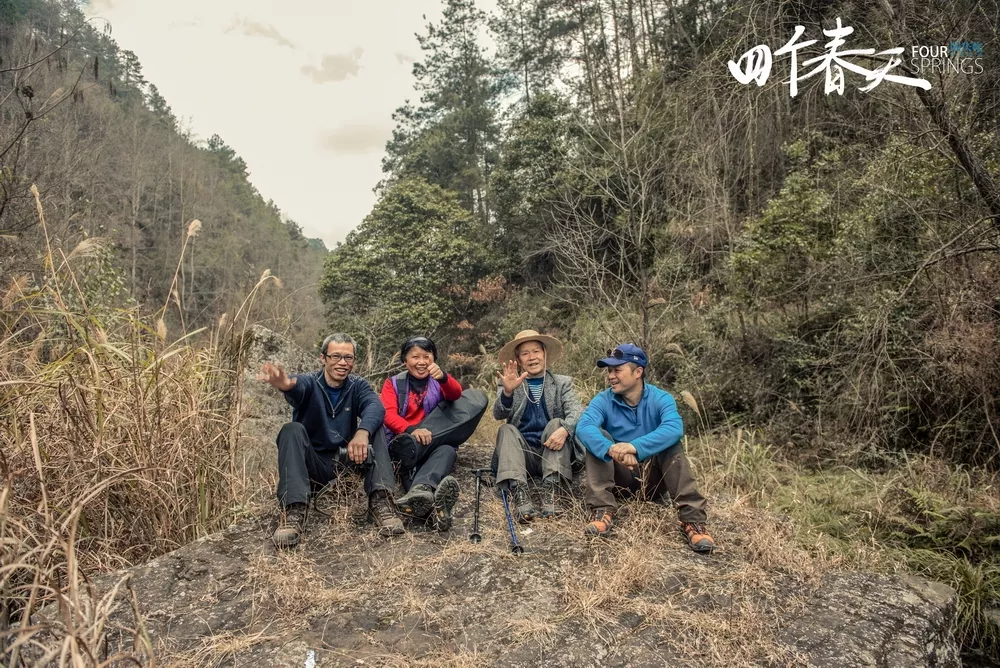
626	352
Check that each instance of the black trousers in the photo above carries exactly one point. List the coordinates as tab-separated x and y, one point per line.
301	470
451	423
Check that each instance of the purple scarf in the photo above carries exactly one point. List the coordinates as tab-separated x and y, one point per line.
432	397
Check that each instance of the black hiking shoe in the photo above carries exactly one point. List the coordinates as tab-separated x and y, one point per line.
551	490
293	519
524	508
405	449
445	497
418	502
380	511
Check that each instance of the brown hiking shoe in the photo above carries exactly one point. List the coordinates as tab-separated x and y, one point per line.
381	512
293	518
602	522
697	537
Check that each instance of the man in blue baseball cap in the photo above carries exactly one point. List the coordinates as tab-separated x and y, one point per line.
632	433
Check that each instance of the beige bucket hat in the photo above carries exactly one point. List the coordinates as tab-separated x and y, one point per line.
553	348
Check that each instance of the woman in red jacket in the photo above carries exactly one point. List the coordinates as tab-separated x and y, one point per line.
427	416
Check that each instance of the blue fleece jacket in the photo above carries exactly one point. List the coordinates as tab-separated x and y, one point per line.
652	426
331	427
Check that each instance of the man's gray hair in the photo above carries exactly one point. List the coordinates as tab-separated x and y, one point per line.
339	337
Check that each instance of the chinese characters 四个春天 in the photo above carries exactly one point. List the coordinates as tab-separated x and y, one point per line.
755	64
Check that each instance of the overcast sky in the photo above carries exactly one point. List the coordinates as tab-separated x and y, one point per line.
302	90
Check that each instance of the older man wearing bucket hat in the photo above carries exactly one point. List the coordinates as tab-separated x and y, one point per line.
541	409
632	432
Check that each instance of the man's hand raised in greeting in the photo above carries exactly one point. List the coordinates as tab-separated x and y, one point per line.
275	376
509	377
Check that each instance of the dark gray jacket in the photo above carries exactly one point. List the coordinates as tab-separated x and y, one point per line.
561	401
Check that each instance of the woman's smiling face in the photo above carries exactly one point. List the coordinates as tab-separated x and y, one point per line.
418	362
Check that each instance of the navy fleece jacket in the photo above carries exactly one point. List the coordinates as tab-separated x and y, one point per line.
331	427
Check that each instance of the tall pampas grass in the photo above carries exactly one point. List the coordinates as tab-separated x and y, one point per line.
117	445
193	228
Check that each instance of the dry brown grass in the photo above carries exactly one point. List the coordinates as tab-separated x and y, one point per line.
116	446
291	583
39	566
459	658
156	419
726	610
219	650
726	616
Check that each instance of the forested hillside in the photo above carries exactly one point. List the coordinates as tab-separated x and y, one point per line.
114	167
823	264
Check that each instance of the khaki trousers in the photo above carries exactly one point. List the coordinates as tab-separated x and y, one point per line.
516	459
663	477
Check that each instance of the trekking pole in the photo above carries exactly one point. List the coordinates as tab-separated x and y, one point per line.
515	547
475	536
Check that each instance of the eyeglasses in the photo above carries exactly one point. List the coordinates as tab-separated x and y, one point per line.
336	358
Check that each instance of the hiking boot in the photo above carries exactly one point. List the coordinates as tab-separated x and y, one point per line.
602	522
293	518
418	502
380	512
697	537
524	509
551	490
445	497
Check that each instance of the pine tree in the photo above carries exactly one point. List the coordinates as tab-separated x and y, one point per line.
528	33
158	105
451	138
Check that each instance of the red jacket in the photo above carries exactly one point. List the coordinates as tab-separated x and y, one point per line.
451	390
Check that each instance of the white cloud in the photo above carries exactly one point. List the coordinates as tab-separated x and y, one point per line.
335	66
255	29
356	138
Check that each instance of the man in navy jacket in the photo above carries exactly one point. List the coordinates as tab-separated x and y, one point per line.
336	418
632	433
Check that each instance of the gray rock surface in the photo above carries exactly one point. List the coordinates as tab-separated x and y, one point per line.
347	597
863	619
